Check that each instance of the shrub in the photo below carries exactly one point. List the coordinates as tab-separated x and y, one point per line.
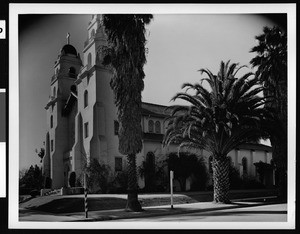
119	183
48	183
155	178
72	179
186	165
34	193
32	178
251	182
234	178
98	177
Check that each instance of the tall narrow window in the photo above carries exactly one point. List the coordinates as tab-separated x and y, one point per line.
86	98
89	60
51	121
86	129
72	72
210	168
52	147
157	127
118	164
54	92
116	127
244	163
93	33
150	126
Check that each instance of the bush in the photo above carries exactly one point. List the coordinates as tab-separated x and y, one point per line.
250	182
119	183
48	183
98	177
155	178
201	176
25	191
34	193
186	165
234	178
32	178
72	179
245	182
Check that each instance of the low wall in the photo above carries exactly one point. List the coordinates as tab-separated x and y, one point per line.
44	191
72	191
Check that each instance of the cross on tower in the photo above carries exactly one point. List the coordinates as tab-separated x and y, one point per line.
68	38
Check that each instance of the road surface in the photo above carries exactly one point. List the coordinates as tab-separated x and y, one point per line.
262	213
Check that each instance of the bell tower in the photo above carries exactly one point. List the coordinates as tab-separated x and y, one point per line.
96	109
61	111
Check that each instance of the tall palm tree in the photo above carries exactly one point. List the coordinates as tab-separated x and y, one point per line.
126	39
219	117
271	64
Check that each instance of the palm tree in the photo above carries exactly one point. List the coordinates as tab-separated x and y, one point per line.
271	64
219	117
126	55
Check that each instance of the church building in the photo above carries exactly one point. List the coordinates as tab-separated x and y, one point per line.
82	118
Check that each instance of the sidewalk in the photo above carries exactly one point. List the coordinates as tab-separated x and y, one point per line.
105	215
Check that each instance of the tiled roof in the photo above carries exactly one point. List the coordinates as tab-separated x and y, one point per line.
255	146
155	110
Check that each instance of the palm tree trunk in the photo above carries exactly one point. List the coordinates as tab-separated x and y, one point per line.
132	196
279	148
220	167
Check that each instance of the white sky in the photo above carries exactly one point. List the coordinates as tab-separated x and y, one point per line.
179	45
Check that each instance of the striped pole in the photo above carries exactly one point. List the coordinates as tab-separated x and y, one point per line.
85	197
171	187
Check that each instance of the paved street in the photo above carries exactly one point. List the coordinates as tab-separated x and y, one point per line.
263	213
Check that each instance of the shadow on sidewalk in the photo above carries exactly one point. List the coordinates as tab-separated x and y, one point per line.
218	209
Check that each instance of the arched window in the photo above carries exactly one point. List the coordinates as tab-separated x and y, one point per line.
86	98
51	121
244	164
157	127
210	159
72	72
86	129
89	60
151	126
93	33
52	145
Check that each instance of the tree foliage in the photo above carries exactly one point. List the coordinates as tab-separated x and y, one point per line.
220	116
186	165
40	153
271	64
32	179
126	55
98	176
153	174
271	61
